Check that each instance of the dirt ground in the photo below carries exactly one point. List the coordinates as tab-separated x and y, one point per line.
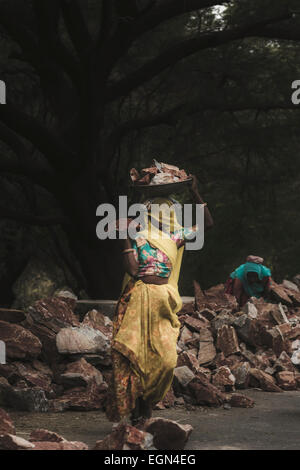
273	424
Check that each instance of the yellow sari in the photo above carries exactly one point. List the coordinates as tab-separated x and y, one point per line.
146	329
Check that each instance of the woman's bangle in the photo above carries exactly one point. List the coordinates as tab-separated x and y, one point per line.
128	250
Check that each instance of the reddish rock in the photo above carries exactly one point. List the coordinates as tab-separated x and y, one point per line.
204	372
67	296
88	398
125	437
277	338
264	309
185	335
19	372
186	358
99	321
214	299
81	372
223	318
6	424
195	324
64	445
20	343
208	314
294	296
182	377
224	379
193	342
229	361
44	435
237	400
217	300
168	434
279	293
169	399
227	340
207	351
284	363
12	442
187	308
264	381
262	361
53	312
241	372
294	333
286	380
45	319
279	315
297	378
199	297
205	393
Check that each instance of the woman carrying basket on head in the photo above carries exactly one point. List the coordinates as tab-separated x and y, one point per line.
146	325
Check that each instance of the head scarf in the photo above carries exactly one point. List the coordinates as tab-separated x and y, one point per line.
165	215
256	289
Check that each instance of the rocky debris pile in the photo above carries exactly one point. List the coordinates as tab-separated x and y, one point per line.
222	350
158	173
59	361
54	361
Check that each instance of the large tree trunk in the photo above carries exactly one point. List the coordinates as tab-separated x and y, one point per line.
100	260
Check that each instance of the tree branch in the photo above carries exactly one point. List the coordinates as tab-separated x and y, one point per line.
29	128
171	116
76	26
128	32
184	49
168	10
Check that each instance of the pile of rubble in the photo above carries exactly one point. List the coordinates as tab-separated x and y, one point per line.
59	360
222	349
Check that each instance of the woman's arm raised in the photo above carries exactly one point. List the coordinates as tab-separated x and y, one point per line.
208	220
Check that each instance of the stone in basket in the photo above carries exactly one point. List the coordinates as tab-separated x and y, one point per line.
159	177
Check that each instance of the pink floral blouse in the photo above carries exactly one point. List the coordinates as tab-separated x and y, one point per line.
153	261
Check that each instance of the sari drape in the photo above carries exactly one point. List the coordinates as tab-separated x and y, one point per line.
145	333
